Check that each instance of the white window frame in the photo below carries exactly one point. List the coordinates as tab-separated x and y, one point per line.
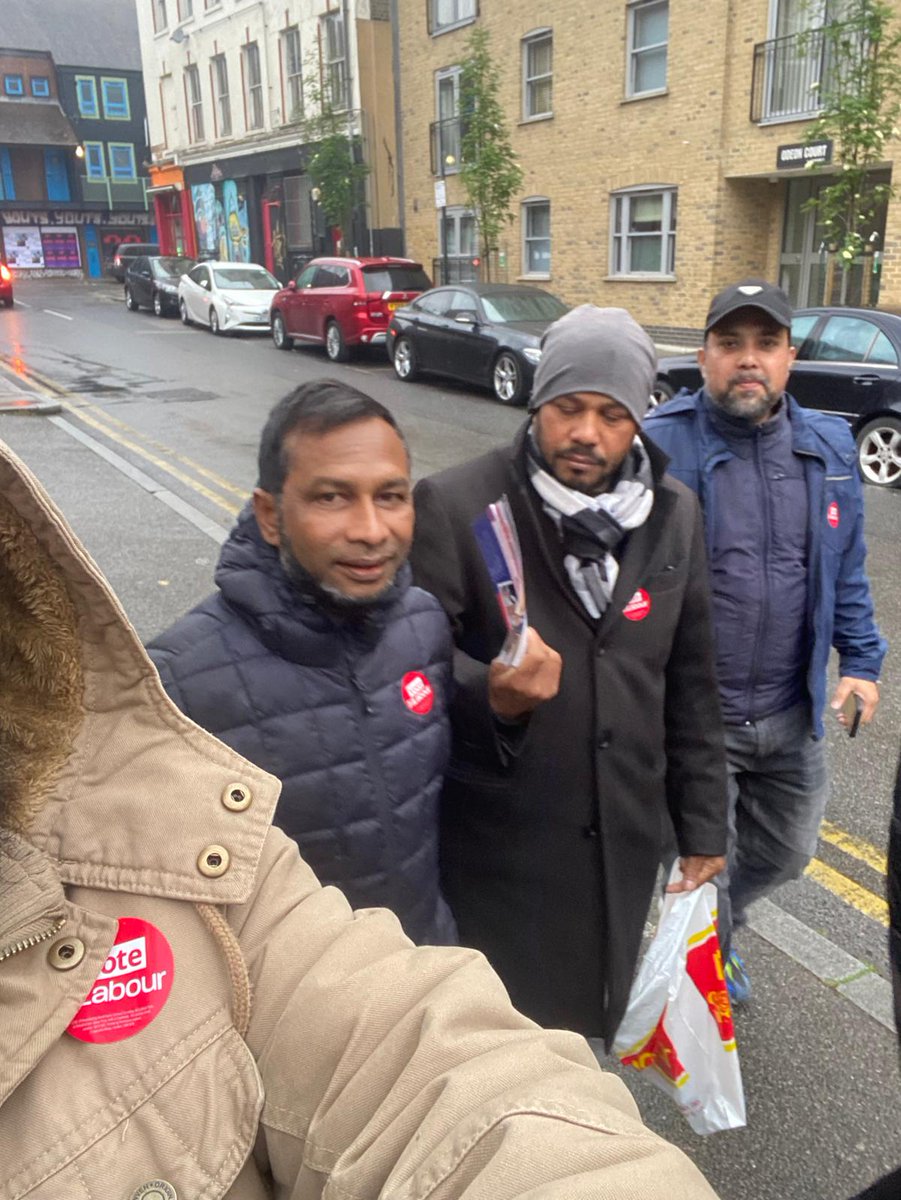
160	18
529	82
452	218
185	9
464	12
621	239
194	97
634	52
448	142
222	104
253	86
334	60
293	98
529	239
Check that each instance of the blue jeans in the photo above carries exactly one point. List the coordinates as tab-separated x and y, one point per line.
778	789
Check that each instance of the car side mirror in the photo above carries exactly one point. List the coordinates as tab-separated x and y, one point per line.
463	318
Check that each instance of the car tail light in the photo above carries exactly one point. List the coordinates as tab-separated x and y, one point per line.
5	273
117	261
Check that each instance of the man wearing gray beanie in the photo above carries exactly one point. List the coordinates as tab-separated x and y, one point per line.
573	772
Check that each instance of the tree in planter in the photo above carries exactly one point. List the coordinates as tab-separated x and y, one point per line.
489	170
335	164
860	97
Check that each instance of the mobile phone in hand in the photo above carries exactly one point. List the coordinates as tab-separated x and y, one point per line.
851	709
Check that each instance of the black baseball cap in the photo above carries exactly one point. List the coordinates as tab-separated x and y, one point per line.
750	293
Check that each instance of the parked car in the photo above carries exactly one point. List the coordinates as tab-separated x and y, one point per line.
125	252
483	333
848	363
152	282
6	285
227	296
344	302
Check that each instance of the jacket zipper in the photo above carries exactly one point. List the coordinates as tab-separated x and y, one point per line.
34	940
766	515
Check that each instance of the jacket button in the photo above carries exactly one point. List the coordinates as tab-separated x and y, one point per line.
590	831
66	953
155	1189
237	797
603	739
213	862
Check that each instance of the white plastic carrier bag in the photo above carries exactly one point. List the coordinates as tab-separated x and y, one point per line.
678	1023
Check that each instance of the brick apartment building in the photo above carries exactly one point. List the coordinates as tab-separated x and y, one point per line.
661	147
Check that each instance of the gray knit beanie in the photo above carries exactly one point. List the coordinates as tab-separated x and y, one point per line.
601	350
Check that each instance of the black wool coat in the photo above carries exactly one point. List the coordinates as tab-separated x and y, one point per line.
549	856
336	710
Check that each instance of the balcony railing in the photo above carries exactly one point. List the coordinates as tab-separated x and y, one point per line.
111	191
790	75
446	142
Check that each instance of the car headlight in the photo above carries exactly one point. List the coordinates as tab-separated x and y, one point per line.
532	354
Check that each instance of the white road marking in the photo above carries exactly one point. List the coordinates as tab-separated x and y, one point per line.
53	313
21	304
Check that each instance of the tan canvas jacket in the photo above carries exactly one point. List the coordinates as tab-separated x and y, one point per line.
303	1050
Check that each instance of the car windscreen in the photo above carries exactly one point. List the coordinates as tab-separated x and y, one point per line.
395	279
167	267
246	279
529	305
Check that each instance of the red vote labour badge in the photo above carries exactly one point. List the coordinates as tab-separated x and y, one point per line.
832	515
417	693
638	607
132	987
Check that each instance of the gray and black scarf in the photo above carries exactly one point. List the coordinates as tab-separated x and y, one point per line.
591	527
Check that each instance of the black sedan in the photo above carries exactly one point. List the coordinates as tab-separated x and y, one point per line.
483	333
848	363
151	281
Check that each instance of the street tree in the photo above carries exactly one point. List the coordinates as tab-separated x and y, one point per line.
860	99
335	163
489	169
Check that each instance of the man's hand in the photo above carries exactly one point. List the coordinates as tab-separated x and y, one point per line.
697	869
865	688
515	691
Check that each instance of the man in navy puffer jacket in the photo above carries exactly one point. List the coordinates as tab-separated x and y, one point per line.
320	662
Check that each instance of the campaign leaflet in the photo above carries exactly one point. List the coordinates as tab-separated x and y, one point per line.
495	532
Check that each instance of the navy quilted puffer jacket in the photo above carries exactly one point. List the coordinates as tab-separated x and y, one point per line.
350	715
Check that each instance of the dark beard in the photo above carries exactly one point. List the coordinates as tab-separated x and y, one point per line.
333	601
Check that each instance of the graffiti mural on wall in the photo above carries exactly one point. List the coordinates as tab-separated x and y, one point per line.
205	220
236	222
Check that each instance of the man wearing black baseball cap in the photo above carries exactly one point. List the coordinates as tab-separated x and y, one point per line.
783	510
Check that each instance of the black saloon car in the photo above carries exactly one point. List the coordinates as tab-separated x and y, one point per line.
151	281
483	333
848	363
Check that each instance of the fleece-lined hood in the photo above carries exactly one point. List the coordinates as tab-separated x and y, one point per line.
86	728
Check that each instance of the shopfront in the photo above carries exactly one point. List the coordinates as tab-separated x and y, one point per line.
59	242
173	212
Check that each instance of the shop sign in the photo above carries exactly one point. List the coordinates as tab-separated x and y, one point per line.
20	216
803	154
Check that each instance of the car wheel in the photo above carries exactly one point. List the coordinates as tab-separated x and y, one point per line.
279	336
158	310
507	379
404	360
215	327
183	313
8	301
879	452
335	345
130	303
662	392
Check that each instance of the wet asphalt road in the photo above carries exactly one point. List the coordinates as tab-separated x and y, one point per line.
185	410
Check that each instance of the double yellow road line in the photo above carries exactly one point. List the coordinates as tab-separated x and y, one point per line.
194	475
230	498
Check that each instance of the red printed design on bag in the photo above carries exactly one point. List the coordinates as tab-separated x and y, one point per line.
704	964
638	607
132	987
417	692
832	515
658	1052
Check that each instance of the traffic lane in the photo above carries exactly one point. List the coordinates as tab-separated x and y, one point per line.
159	565
136	363
820	1079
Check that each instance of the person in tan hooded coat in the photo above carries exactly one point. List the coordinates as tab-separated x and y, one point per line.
303	1050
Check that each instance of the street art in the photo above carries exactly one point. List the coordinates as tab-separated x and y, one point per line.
203	196
235	204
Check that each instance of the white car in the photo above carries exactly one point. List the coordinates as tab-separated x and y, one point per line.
227	296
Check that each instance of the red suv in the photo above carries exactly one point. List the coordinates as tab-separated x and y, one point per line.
344	302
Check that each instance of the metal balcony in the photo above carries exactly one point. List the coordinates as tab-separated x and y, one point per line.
790	75
446	146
